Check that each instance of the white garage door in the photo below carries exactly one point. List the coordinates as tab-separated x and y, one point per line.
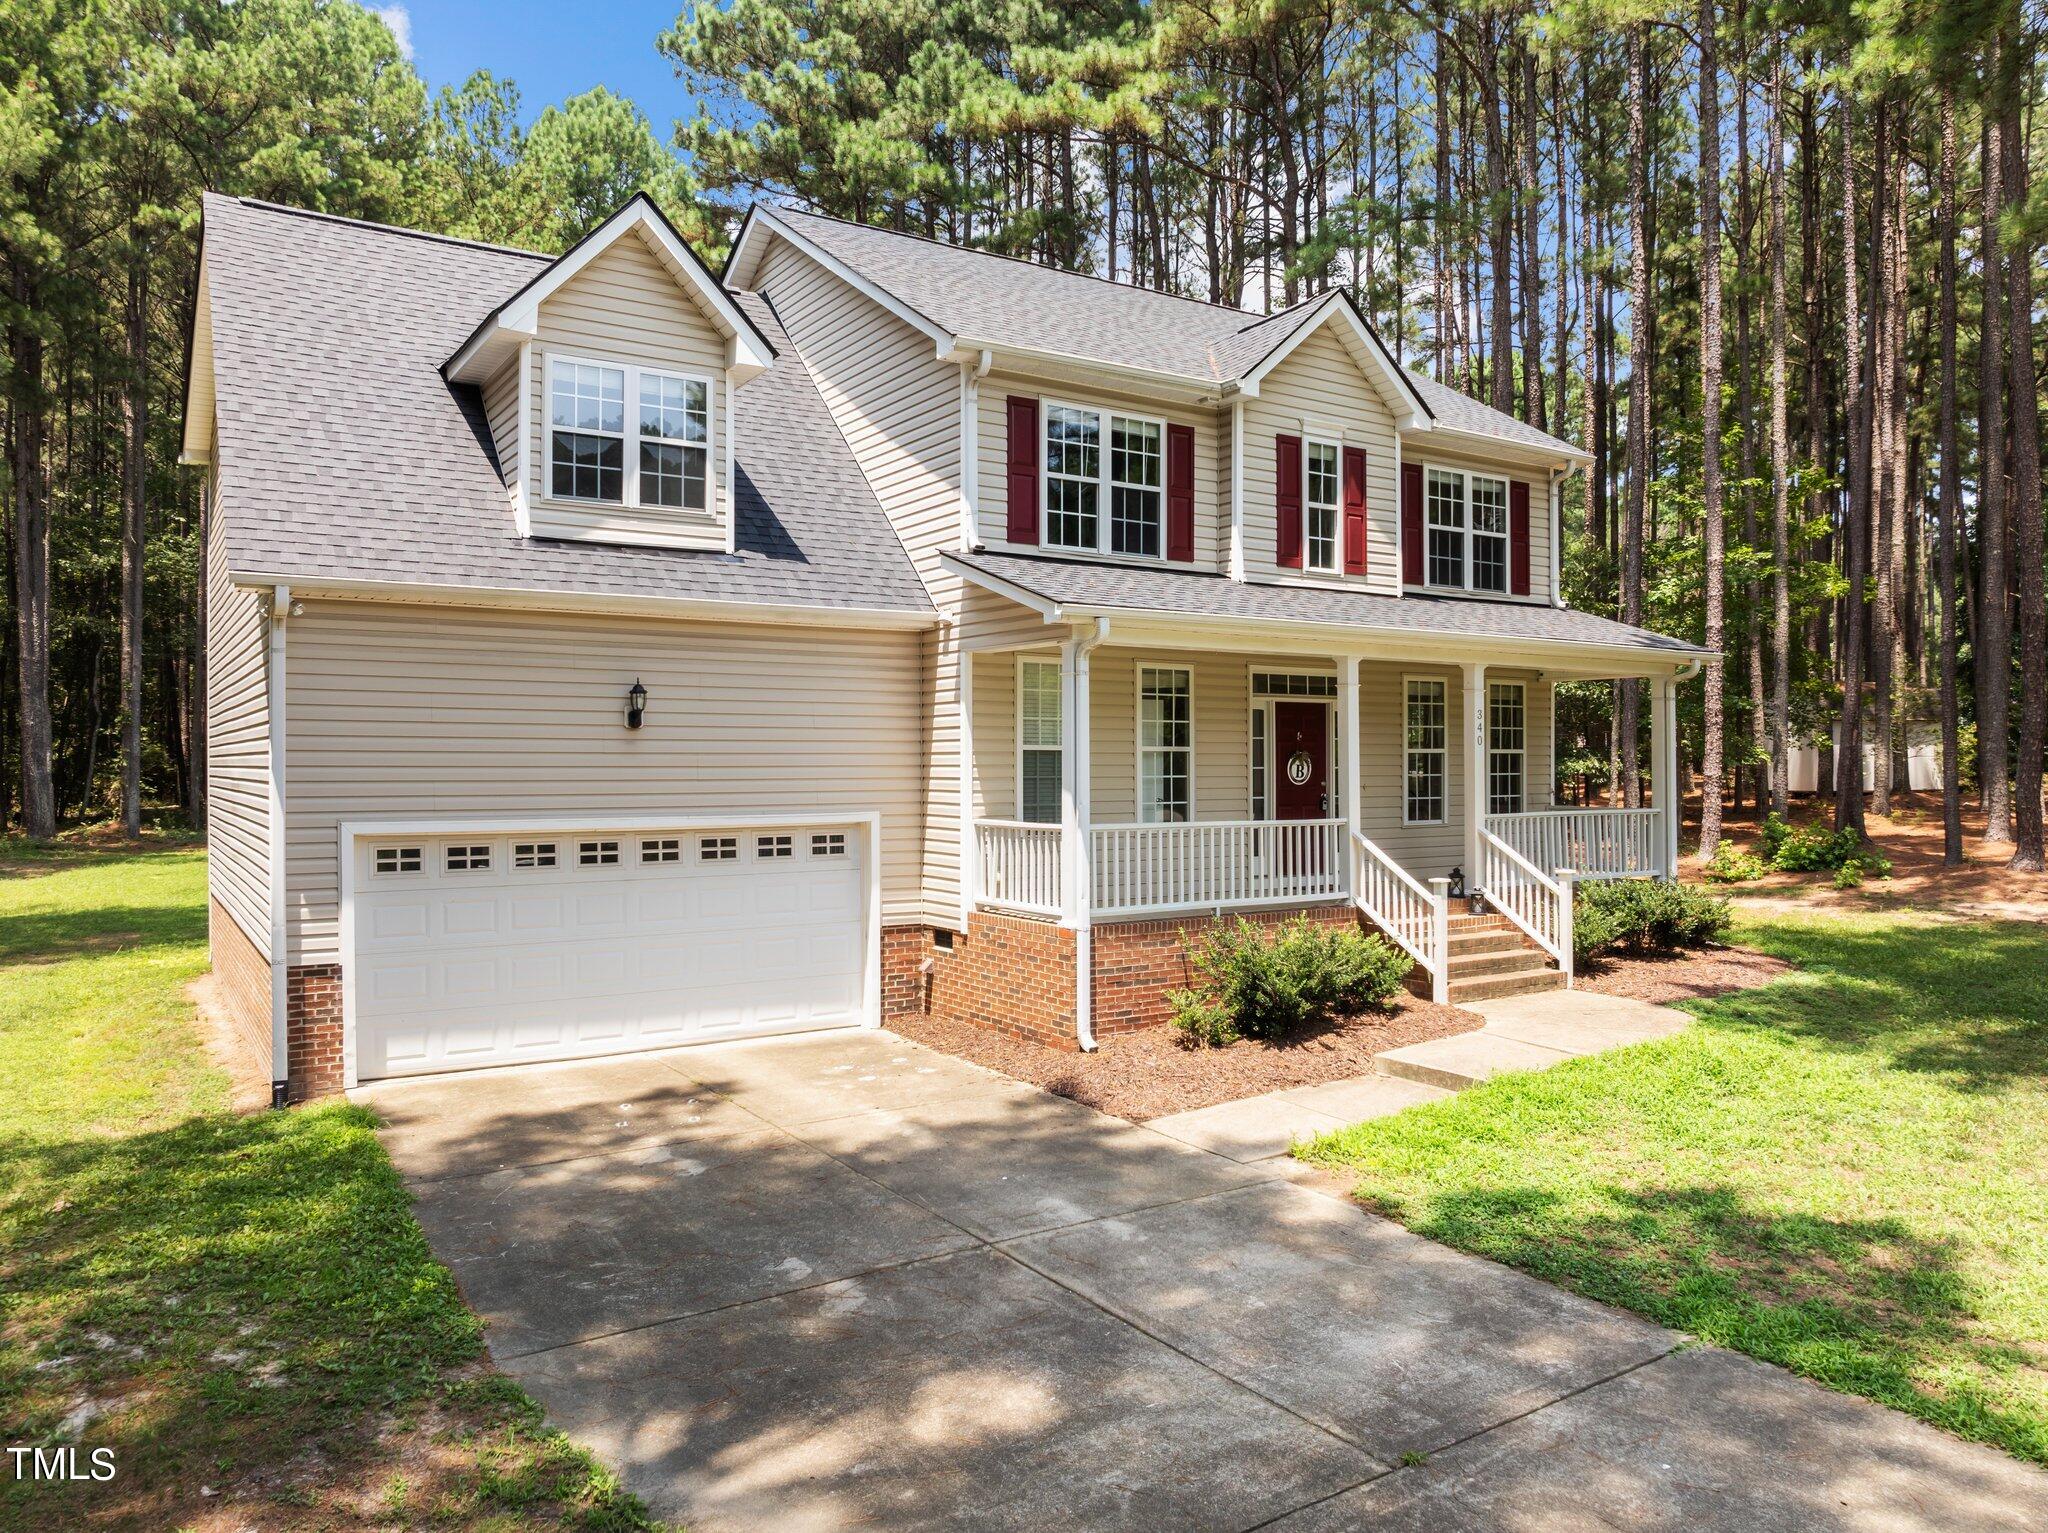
474	950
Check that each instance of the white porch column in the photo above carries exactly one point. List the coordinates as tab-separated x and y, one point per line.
970	844
1349	776
1475	765
1665	794
1076	862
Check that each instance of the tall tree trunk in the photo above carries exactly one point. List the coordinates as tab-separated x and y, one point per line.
31	571
1531	260
1745	417
135	508
2027	529
1855	517
1951	497
1638	389
1781	459
1713	765
1993	659
1883	314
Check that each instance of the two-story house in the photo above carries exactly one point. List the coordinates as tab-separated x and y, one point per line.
607	654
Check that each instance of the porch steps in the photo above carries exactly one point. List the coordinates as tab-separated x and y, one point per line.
1491	957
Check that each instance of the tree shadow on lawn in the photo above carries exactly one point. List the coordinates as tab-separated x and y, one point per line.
244	1301
1862	1305
1968	1002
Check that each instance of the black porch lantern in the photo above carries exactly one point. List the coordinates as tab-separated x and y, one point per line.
1457	890
636	705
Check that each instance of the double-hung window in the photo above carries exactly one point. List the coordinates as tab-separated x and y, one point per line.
1165	744
593	437
1466	531
1424	771
1506	746
1082	481
1039	762
1319	505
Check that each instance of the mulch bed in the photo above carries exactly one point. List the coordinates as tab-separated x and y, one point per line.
1662	978
1147	1074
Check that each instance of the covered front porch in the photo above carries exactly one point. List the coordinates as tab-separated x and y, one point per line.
1125	774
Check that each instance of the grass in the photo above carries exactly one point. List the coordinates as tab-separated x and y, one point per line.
240	1306
1844	1172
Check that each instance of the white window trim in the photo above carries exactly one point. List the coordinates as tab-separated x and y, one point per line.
1138	671
1336	564
1059	750
1492	751
629	485
1444	750
1103	415
1465	476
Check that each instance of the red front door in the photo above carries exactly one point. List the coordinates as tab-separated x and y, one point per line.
1301	761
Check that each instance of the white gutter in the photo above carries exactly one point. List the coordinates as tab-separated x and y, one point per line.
274	680
1080	894
676	607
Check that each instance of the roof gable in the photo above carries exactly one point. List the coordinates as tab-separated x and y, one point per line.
518	317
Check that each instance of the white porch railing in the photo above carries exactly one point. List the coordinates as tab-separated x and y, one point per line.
1535	901
1019	863
1415	916
1210	864
1594	843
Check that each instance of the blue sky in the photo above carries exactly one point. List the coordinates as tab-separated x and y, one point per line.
551	49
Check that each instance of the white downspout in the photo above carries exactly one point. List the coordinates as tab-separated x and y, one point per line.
274	679
1557	479
1237	571
1080	865
971	375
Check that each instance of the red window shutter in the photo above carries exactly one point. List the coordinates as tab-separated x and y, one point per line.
1023	459
1287	501
1354	510
1411	523
1180	493
1518	536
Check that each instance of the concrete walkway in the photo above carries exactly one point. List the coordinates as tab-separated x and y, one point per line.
1522	1032
843	1281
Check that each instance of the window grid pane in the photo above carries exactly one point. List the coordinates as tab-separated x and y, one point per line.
1038	737
1073	470
1506	723
1321	502
1258	763
1489	534
675	430
1426	745
1165	734
1445	539
1134	494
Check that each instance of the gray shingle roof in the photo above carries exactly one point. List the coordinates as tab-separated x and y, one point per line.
1006	302
347	456
1074	583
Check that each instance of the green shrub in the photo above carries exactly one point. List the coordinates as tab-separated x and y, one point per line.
1771	839
1642	914
1268	984
1203	1021
1849	874
1816	849
1731	865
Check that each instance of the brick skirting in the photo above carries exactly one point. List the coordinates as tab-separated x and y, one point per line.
312	1010
1008	973
1137	962
242	976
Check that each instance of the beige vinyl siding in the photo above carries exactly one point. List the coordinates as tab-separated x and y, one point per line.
501	409
898	407
1222	742
1430	450
992	435
422	711
237	741
1320	391
625	307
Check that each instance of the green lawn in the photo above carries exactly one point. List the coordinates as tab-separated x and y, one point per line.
241	1307
1844	1172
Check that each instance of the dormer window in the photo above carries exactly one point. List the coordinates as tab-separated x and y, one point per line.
1081	480
592	436
1319	506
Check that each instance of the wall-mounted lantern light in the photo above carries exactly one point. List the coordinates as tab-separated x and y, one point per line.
636	705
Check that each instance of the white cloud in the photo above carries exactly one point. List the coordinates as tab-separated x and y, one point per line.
399	20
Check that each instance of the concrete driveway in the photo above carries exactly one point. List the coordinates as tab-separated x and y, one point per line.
844	1281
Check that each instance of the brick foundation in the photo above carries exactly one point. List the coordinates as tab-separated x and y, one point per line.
312	1008
242	976
1137	962
1007	973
